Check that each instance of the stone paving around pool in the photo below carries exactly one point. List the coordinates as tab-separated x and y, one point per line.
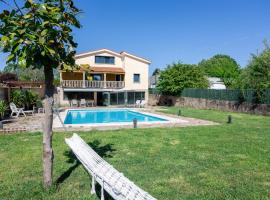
34	123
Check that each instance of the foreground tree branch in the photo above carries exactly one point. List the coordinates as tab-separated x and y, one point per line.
39	35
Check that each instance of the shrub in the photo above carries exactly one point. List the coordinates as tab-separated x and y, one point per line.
31	99
257	75
17	97
3	108
221	66
24	98
178	76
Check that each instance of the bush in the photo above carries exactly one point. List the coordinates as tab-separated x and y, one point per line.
178	76
24	98
257	75
31	99
221	66
17	97
3	109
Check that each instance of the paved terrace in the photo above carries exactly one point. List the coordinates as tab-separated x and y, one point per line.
34	123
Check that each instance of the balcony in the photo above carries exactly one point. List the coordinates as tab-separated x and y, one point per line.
92	84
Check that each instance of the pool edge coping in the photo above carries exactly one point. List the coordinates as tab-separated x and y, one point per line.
170	120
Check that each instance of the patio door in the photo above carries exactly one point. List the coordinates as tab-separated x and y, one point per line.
106	98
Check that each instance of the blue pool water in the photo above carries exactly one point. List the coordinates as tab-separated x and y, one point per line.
106	116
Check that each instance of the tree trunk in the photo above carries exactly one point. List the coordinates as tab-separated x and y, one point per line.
47	128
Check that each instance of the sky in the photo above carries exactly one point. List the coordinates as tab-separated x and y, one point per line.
166	31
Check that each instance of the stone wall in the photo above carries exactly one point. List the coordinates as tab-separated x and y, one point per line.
244	107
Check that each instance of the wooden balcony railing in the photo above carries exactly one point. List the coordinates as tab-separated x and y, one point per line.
92	84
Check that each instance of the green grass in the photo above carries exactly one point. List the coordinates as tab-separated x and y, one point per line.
226	161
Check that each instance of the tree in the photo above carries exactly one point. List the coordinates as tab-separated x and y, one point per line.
156	72
27	74
178	76
38	34
257	74
30	73
221	66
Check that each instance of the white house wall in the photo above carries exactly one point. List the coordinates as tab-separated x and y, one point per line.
132	67
90	60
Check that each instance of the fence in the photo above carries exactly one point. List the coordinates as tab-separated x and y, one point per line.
248	95
238	95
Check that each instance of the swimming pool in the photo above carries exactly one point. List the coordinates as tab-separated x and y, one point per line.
107	116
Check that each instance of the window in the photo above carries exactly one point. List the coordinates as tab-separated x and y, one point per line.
104	60
136	78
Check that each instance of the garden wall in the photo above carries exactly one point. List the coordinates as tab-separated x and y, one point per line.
163	100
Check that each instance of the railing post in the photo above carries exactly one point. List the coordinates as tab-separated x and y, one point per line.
105	79
83	79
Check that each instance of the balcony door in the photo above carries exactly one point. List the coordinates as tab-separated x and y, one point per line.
117	77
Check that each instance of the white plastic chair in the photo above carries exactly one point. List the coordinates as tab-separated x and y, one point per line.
142	104
137	103
74	102
83	103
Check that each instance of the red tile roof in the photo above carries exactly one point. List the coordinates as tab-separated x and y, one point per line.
107	69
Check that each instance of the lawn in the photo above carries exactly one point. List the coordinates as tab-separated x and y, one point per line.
226	161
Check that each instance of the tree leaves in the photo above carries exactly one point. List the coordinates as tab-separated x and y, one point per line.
10	58
4	39
52	52
28	3
44	32
257	74
221	66
178	76
40	35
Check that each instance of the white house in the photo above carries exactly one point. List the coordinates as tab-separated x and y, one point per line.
216	83
107	78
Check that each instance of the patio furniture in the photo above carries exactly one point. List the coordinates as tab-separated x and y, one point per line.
111	180
91	103
83	103
137	103
18	111
142	104
41	110
74	103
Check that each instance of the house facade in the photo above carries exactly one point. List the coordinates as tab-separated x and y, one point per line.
106	77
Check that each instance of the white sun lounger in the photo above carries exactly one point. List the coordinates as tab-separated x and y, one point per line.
18	111
114	182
